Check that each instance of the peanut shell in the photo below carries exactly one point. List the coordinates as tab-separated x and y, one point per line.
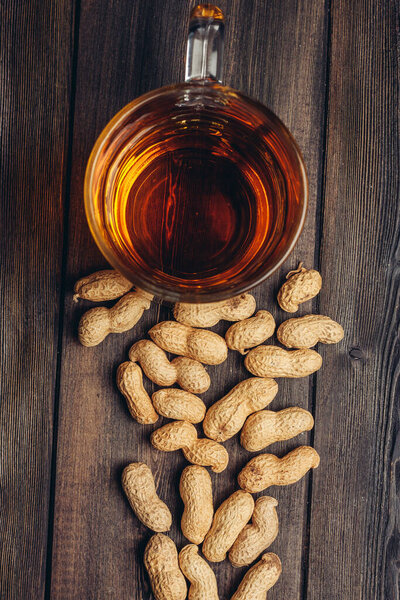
161	562
259	579
190	374
226	417
130	384
182	435
101	286
205	346
267	427
228	522
271	361
178	404
98	322
265	470
305	332
195	488
199	573
301	285
251	332
258	535
140	489
209	314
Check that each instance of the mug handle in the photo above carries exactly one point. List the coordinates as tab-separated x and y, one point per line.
205	45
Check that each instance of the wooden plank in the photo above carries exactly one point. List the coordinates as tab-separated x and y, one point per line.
124	50
354	537
34	90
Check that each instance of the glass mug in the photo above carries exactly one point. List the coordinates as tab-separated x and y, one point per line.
194	191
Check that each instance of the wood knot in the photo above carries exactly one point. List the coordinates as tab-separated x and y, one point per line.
356	354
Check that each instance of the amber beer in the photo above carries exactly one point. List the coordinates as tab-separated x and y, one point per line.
195	191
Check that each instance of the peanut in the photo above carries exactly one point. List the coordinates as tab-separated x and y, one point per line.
301	285
258	535
161	562
207	315
271	361
205	346
98	322
199	573
140	489
228	522
251	332
178	404
190	374
265	470
267	427
226	417
101	286
182	435
130	384
307	331
259	579
195	489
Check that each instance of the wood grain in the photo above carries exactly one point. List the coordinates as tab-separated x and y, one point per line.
330	71
34	109
98	543
355	492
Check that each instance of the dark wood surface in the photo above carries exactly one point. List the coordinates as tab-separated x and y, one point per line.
35	90
330	71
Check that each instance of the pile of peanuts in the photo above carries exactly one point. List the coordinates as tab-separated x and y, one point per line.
241	527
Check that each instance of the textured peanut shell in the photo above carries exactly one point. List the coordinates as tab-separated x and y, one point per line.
195	488
271	361
208	454
305	332
259	579
205	346
265	470
228	522
251	332
174	436
140	489
161	562
190	374
267	427
209	314
102	286
258	535
183	435
98	322
199	573
226	417
301	285
154	362
130	384
179	404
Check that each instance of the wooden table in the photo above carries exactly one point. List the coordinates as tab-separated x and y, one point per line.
329	70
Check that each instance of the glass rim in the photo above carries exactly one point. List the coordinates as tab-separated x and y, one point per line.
172	294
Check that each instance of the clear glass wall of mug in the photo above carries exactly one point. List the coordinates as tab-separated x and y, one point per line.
196	192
